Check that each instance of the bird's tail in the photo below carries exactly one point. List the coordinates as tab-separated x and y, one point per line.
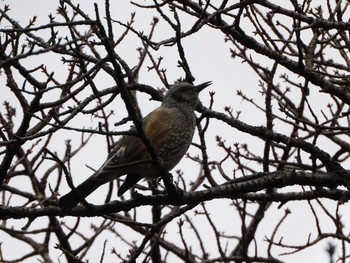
74	197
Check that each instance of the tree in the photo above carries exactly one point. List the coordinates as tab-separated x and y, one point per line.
268	151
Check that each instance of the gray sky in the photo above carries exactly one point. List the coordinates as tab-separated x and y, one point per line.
209	59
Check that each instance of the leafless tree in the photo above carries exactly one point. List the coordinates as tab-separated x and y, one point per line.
68	87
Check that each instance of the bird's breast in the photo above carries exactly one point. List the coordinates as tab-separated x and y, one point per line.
171	131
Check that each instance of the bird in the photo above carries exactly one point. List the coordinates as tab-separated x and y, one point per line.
170	129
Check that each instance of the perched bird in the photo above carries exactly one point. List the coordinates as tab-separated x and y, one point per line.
170	129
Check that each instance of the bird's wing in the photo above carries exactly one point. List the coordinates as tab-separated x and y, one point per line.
158	125
130	149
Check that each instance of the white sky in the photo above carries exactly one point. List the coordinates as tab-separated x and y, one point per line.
209	59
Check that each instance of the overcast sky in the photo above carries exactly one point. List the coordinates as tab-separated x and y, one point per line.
209	59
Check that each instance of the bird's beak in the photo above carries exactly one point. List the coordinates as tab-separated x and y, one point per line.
202	86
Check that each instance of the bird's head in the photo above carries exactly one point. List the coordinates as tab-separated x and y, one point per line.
184	92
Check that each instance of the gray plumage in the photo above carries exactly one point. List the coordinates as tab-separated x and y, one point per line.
170	128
